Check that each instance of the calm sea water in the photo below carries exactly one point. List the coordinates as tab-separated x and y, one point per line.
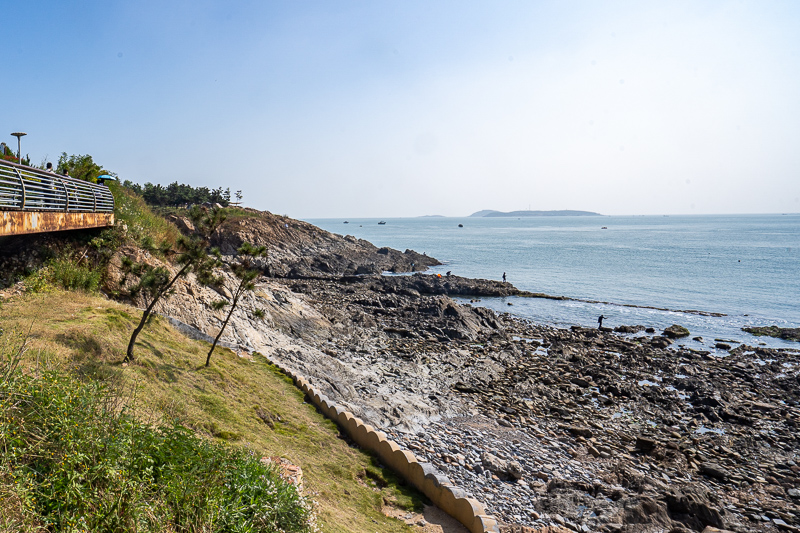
744	266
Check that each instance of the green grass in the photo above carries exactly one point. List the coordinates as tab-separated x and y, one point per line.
75	460
65	272
144	227
79	262
238	403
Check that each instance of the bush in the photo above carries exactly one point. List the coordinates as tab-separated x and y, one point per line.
75	461
66	273
144	226
72	276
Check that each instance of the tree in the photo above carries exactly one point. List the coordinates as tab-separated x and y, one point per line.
177	194
191	254
81	167
246	275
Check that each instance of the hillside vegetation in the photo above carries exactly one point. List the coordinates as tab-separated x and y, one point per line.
236	412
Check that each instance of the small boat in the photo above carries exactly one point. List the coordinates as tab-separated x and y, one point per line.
604	227
461	225
345	222
382	222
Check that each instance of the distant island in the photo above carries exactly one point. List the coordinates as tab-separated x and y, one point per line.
560	213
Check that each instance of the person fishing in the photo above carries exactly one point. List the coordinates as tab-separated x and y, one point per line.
600	322
504	277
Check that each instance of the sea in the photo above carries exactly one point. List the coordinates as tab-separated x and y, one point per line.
713	274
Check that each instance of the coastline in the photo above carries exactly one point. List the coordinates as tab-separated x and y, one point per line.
739	266
577	427
637	423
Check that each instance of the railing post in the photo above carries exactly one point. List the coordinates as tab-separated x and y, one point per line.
22	184
66	194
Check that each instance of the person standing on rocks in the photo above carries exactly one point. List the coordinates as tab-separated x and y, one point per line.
504	277
600	322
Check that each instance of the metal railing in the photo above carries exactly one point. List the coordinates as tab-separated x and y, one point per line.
30	189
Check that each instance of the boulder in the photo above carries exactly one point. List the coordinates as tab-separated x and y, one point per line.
675	332
505	470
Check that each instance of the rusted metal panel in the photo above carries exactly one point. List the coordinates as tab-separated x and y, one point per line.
22	222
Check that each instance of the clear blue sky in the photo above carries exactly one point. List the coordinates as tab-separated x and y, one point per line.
406	108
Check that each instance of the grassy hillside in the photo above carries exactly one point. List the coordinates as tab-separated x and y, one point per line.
238	401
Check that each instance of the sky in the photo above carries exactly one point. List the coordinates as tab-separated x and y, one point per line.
328	109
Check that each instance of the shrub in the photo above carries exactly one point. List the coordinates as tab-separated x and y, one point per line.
144	226
66	273
69	274
74	460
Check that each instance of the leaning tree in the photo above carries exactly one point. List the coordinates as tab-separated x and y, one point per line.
245	273
191	255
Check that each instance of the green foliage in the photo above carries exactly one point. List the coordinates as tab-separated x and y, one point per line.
7	154
81	167
176	194
73	460
38	281
70	275
156	282
65	272
246	274
143	226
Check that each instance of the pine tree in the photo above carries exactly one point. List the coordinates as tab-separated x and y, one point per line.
245	273
156	283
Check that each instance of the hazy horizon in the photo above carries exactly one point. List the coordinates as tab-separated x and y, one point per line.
343	218
328	110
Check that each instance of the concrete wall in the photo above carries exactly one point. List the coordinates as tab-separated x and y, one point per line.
451	499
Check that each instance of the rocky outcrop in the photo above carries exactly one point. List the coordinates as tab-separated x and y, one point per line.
298	249
675	332
789	334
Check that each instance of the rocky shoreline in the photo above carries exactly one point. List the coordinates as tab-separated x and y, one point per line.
593	430
584	429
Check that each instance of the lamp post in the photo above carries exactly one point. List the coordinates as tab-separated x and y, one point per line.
19	136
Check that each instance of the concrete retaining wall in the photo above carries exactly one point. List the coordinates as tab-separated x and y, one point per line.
451	499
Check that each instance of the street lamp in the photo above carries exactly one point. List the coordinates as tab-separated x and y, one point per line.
19	137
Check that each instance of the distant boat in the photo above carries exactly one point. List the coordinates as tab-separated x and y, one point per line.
346	222
382	222
604	227
461	225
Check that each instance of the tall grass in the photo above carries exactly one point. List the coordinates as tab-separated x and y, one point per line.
65	272
80	260
73	460
144	227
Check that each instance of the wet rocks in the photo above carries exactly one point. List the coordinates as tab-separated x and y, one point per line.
580	428
675	332
789	334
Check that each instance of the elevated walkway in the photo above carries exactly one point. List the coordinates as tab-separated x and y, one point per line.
35	201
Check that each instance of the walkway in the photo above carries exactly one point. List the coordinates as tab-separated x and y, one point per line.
35	201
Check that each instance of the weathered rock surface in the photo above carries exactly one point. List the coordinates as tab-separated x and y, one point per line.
299	249
789	334
589	430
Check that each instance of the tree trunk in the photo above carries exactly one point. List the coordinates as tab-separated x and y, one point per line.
145	315
224	325
129	354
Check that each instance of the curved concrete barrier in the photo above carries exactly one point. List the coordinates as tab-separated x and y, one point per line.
449	498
